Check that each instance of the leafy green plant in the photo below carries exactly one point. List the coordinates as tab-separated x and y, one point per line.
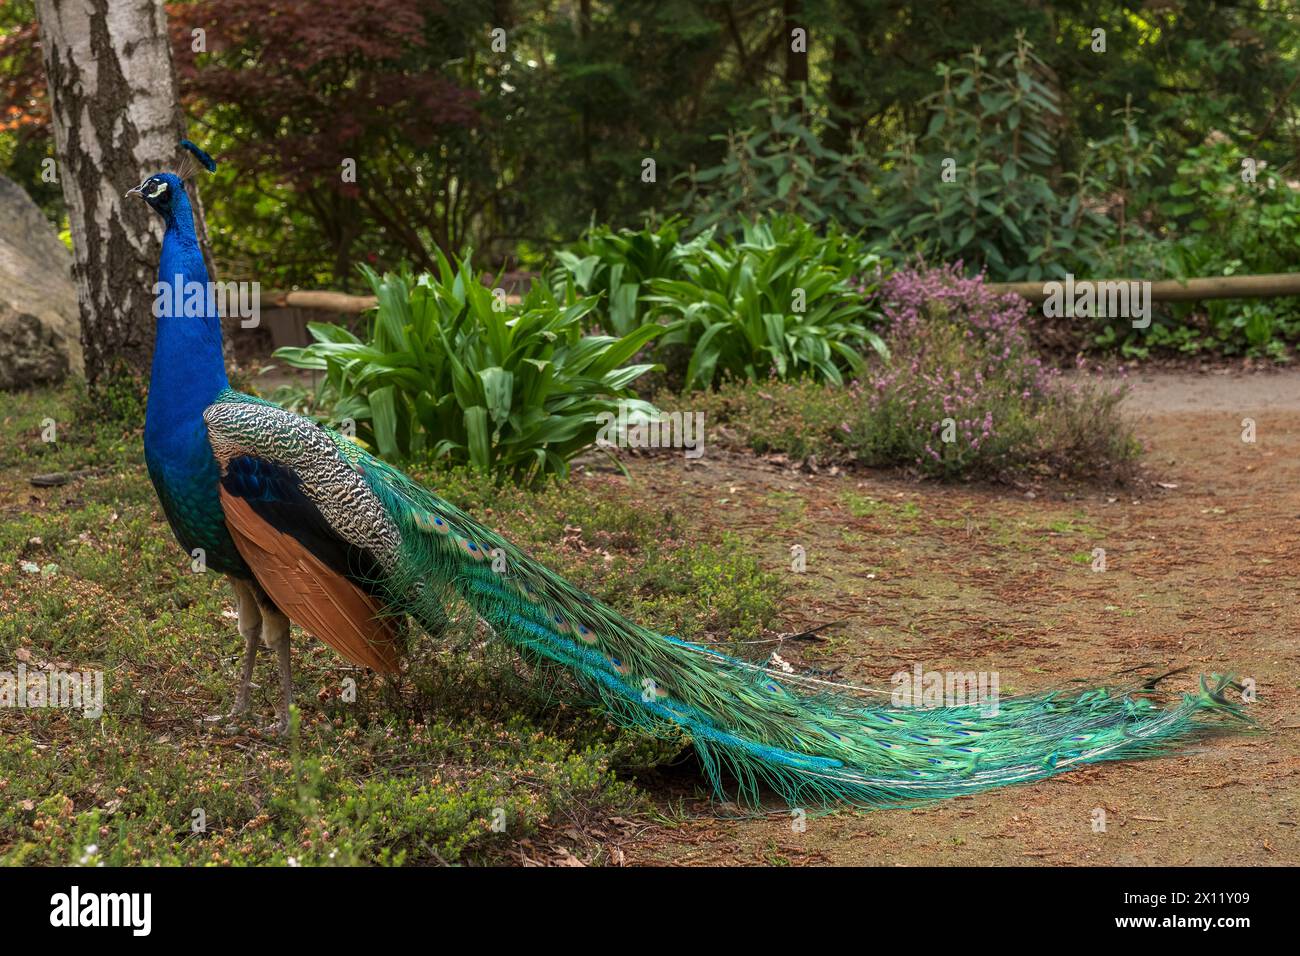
782	298
1001	203
617	265
780	162
1217	223
450	370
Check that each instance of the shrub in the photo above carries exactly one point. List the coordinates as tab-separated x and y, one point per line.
1220	225
779	161
450	371
781	298
967	394
1012	203
963	394
1009	207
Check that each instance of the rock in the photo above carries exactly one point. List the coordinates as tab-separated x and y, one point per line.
40	324
31	353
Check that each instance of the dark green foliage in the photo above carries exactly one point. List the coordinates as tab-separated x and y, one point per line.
1216	223
515	151
780	162
981	185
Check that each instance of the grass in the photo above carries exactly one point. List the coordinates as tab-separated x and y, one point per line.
460	761
865	506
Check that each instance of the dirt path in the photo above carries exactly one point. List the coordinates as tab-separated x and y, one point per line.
1202	567
1214	392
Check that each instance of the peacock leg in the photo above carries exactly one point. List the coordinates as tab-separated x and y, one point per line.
275	632
250	628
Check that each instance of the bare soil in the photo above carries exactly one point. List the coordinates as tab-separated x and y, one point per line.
1202	567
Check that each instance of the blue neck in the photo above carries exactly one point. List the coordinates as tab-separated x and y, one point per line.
188	369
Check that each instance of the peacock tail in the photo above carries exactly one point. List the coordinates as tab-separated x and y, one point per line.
752	726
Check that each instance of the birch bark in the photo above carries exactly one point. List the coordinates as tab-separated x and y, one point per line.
116	118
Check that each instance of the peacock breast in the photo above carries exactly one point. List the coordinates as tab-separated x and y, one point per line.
185	476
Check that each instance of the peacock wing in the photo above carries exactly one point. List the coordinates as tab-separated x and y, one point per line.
315	537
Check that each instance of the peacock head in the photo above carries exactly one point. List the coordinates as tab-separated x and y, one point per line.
159	191
162	189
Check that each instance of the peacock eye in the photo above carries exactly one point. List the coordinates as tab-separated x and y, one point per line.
159	188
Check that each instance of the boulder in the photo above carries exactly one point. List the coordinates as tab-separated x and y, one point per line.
40	325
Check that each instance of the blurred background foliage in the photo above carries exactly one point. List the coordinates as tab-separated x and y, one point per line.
1069	154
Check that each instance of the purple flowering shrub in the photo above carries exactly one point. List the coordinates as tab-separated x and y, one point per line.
966	393
963	393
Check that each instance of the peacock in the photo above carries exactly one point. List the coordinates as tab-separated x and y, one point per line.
313	530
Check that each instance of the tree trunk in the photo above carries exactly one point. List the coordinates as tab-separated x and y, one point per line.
116	119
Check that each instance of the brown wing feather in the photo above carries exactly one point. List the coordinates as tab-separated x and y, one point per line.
310	593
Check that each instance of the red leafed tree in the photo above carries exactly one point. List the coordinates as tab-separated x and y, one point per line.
346	103
23	85
349	120
24	107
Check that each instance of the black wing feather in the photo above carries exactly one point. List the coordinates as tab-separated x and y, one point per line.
275	494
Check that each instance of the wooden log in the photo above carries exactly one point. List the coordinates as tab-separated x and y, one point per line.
1163	290
1175	290
324	301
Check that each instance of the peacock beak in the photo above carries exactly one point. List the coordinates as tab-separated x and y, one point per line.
137	191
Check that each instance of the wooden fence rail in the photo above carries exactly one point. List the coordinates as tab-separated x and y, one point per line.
1174	290
324	301
1163	290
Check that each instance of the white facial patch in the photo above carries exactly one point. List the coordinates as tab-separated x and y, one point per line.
158	190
